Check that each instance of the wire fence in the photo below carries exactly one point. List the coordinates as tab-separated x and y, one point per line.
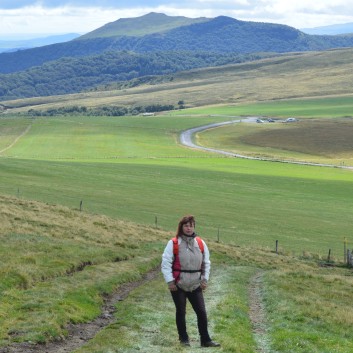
327	252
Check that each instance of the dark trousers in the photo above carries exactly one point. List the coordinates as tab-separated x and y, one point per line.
198	304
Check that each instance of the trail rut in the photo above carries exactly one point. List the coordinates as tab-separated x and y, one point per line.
257	313
16	139
80	334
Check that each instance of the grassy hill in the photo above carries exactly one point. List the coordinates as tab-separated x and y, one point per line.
60	265
314	74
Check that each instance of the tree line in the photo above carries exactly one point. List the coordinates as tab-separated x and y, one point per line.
104	110
72	75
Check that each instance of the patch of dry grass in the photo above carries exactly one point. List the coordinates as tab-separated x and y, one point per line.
326	138
297	75
31	217
308	140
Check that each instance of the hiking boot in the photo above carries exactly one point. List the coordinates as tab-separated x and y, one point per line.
210	344
185	343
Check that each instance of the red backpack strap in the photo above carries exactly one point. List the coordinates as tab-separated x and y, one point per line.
200	242
176	262
175	246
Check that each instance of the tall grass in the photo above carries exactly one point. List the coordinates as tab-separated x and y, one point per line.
307	306
57	264
315	308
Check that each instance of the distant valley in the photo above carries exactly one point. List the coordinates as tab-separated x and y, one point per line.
11	45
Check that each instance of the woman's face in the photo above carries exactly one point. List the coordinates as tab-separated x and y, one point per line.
188	228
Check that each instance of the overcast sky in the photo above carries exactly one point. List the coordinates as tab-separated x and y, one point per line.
82	16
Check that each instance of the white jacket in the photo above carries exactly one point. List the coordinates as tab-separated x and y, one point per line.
168	259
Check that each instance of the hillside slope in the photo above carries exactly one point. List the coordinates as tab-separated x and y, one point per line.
298	75
71	75
67	280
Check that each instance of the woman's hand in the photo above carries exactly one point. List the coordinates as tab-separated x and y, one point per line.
203	285
172	286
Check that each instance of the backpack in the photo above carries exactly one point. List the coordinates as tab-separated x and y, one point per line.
176	245
176	264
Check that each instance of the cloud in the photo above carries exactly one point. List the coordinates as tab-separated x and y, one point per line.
36	19
17	4
64	16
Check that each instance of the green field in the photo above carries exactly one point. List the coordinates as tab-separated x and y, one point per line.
323	107
58	263
132	168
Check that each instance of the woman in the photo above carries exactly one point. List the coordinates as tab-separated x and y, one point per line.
186	268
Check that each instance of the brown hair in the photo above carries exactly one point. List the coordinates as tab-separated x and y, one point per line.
184	220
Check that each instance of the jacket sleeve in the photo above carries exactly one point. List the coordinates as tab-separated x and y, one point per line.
206	263
167	262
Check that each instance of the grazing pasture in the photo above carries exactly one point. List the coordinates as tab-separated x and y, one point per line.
91	201
132	168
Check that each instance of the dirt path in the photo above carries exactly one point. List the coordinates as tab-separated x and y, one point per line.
257	313
80	334
186	139
16	139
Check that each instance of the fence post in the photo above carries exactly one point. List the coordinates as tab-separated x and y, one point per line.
218	235
81	202
329	256
276	246
345	249
155	221
349	258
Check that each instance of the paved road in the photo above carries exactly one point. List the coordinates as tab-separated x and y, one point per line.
186	139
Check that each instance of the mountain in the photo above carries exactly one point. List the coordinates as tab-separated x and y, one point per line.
221	34
141	26
154	44
14	45
344	28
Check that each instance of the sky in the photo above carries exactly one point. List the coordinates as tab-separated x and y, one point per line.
33	18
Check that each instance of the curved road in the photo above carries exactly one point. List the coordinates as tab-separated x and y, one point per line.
186	139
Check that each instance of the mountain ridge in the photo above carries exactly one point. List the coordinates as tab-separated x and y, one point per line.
97	60
220	34
150	23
